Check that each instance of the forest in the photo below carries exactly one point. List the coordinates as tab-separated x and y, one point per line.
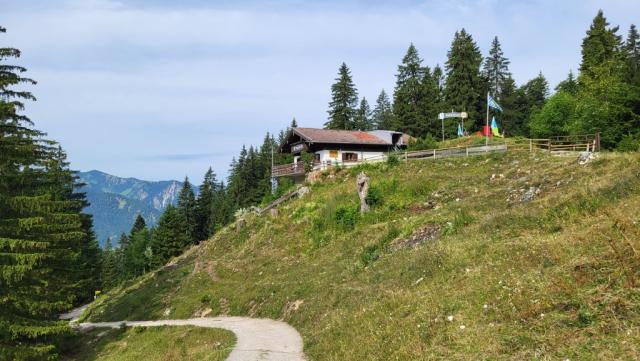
50	260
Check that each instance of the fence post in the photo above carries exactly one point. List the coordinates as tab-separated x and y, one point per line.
549	145
467	150
405	155
434	154
530	145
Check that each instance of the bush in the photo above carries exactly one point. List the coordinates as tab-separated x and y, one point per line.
374	196
393	160
346	216
628	143
428	142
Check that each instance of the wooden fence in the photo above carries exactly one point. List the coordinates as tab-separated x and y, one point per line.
569	143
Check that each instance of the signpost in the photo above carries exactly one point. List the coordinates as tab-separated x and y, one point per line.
452	114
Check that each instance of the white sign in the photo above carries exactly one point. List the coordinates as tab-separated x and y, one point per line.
453	115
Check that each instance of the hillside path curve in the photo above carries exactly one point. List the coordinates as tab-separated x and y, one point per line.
257	338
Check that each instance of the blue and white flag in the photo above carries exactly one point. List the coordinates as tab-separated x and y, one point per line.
493	104
460	132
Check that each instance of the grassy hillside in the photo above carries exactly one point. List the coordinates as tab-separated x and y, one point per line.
506	256
153	343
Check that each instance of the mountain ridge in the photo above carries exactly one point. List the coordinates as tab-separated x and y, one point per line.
115	201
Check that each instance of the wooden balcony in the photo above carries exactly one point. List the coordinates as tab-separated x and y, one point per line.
284	170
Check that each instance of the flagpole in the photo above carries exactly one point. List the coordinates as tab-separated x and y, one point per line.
486	141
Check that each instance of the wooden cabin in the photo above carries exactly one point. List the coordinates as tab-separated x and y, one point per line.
337	147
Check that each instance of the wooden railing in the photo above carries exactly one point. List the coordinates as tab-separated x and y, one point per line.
569	143
288	169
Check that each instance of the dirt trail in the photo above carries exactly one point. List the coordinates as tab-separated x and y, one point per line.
257	338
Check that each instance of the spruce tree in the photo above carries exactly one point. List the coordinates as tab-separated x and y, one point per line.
463	83
569	85
496	68
382	115
138	225
171	236
294	123
408	95
602	43
187	207
41	228
110	272
537	90
363	116
204	205
344	100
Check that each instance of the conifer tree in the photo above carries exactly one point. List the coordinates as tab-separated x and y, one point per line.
138	225
41	228
187	206
602	43
294	123
537	90
463	83
363	116
408	96
569	85
496	68
170	237
204	205
382	115
110	271
344	100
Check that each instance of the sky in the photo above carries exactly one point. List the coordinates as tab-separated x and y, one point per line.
162	89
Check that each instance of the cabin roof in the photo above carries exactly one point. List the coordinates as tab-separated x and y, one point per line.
337	136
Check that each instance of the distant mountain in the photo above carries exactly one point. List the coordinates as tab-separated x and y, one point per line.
115	202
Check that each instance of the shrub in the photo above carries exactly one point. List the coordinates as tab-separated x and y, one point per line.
205	299
628	143
370	254
346	216
392	160
374	196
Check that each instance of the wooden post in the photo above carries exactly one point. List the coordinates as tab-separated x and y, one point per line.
467	151
530	145
549	145
434	154
405	156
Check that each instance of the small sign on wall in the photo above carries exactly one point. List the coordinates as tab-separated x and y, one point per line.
333	154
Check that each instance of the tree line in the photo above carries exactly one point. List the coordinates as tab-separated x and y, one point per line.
603	98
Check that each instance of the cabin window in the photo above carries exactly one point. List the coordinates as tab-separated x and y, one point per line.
349	157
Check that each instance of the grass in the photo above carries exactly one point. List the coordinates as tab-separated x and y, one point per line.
555	277
153	343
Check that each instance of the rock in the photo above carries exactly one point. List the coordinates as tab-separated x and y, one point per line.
586	157
362	186
426	233
274	212
302	191
530	194
239	224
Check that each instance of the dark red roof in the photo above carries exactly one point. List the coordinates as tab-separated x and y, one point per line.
315	135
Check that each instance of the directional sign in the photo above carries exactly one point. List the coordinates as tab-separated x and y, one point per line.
462	115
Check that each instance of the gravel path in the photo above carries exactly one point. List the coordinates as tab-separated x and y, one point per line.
257	338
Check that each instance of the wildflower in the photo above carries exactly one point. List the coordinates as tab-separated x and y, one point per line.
450	318
462	327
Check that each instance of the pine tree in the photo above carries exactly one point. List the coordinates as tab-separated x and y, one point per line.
294	123
382	115
204	205
171	236
600	45
138	225
463	83
41	228
187	206
496	68
363	116
344	100
110	271
408	96
569	85
537	90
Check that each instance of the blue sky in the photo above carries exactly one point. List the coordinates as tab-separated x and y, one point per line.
163	89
